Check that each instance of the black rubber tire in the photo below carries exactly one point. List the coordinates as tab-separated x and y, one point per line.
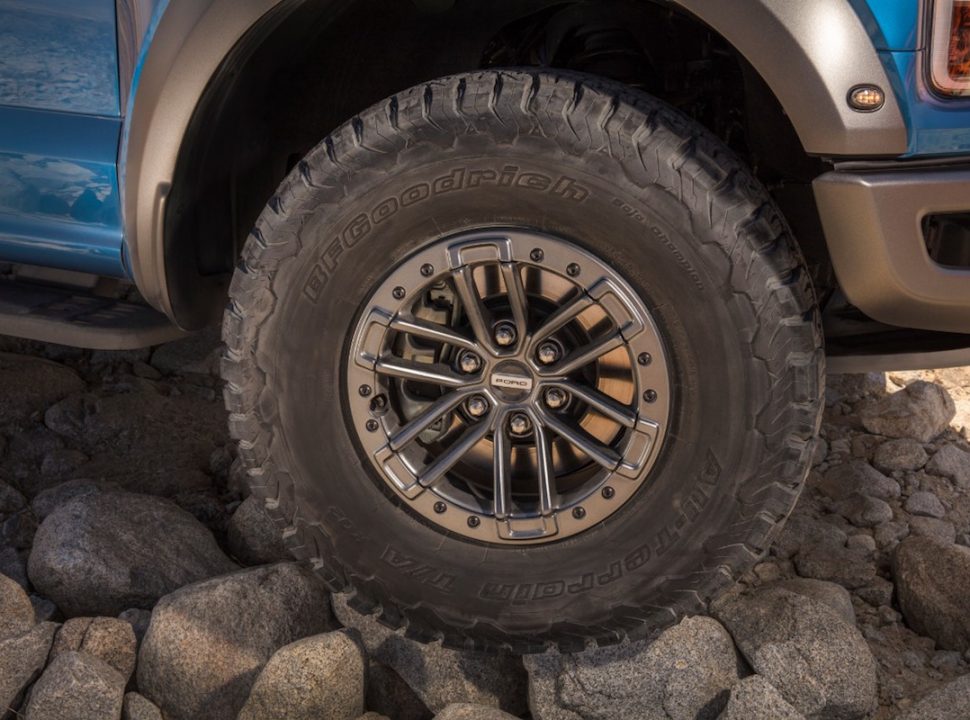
668	206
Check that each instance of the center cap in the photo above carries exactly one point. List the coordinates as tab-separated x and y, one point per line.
512	380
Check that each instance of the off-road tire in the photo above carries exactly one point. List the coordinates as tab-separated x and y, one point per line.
689	228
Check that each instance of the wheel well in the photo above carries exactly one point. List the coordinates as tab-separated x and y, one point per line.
275	99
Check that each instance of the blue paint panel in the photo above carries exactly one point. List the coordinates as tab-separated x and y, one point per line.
59	202
892	24
59	55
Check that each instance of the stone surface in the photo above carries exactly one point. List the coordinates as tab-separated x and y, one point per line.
441	676
108	639
16	610
754	698
819	663
827	593
389	694
105	552
253	538
76	686
31	384
949	702
857	478
22	658
317	678
849	567
864	511
921	411
11	500
465	711
899	454
138	707
685	674
197	354
941	530
207	642
952	462
926	504
932	579
47	500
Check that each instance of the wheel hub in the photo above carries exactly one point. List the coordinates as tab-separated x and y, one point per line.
515	403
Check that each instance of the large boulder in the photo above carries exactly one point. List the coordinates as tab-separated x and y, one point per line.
317	678
932	579
76	686
947	703
106	552
827	593
921	410
685	674
754	698
22	658
819	663
441	676
207	642
16	610
31	384
951	462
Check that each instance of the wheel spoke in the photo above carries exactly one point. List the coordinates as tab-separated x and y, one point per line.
436	374
546	473
431	331
517	298
502	470
444	404
478	316
598	452
447	460
562	316
585	355
603	403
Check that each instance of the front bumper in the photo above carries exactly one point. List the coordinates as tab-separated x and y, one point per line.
873	224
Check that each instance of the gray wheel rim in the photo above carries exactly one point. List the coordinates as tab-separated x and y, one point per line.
508	386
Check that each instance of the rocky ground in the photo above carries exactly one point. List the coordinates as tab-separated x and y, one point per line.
138	581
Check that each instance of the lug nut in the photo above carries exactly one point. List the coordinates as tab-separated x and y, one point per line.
477	406
504	334
556	399
469	362
519	424
548	353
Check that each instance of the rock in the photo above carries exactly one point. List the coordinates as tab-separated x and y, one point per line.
686	672
387	693
850	568
818	662
877	593
30	385
138	707
76	686
951	462
465	711
890	533
22	658
827	593
105	552
62	461
921	410
754	698
374	716
900	454
931	582
857	385
858	478
863	511
803	531
207	642
863	542
820	449
926	504
440	676
197	354
13	564
941	530
11	500
946	703
46	501
317	678
16	610
139	620
253	538
44	609
108	639
18	529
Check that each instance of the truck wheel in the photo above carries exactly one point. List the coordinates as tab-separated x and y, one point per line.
520	359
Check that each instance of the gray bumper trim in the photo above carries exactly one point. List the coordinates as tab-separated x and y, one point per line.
873	226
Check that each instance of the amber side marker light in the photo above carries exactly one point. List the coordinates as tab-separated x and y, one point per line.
866	98
950	51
